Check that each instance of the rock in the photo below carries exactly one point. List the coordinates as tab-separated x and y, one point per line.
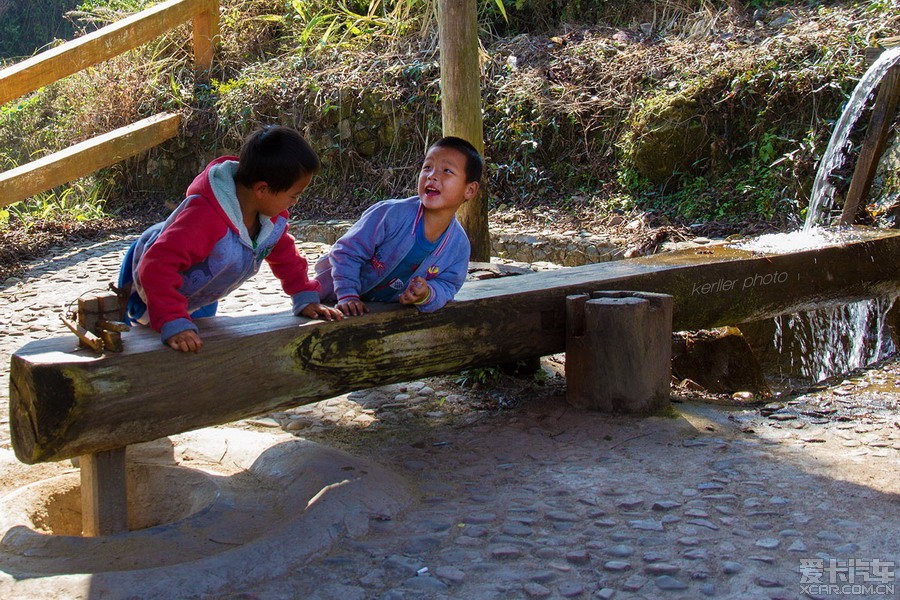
535	590
719	360
669	583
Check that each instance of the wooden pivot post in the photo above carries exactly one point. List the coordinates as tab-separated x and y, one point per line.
104	502
619	351
873	145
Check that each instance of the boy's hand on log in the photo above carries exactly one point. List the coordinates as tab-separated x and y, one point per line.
326	313
417	292
352	307
186	341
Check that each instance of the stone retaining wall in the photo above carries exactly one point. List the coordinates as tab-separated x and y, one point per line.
568	249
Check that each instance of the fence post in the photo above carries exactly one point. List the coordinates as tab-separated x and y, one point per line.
205	33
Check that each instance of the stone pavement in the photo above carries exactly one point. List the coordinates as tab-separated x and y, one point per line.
519	496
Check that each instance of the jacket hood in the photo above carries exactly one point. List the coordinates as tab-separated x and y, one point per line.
216	182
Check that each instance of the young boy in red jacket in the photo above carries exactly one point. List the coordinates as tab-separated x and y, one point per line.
235	216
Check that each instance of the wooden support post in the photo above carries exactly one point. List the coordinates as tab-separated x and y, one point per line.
205	27
104	502
461	104
873	144
619	351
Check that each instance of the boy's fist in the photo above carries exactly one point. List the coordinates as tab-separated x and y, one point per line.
417	292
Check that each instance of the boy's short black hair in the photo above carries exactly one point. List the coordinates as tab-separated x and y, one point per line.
474	162
277	155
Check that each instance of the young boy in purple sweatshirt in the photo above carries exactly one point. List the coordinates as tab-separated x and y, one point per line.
411	251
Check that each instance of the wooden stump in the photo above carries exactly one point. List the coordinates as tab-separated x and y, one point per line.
104	502
619	350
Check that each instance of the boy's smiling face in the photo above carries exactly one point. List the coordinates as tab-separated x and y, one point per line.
442	180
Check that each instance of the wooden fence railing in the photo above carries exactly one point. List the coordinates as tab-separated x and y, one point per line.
73	56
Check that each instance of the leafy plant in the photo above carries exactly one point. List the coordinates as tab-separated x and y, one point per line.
477	376
80	201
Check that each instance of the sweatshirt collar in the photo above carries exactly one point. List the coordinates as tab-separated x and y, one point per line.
221	180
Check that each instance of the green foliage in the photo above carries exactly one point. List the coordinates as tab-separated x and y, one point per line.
80	201
27	26
477	376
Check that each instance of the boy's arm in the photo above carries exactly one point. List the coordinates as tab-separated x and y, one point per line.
292	269
354	249
448	281
185	242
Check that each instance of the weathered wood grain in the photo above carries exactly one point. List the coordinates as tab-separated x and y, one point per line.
873	144
65	402
104	499
105	43
86	157
461	104
619	351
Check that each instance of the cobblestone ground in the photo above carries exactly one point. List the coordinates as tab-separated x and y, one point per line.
520	496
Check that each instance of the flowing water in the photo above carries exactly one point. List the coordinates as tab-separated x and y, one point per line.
822	197
831	341
836	340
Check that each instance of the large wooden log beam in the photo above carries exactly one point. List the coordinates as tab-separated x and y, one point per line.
65	402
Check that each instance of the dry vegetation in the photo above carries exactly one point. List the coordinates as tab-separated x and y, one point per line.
566	105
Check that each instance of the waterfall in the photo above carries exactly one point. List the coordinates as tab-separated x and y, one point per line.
835	340
822	196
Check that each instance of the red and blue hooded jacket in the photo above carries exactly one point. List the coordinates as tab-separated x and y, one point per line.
203	252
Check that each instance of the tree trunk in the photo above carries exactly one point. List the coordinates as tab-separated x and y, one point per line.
461	104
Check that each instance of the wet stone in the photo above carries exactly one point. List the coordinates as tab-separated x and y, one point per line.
506	552
468	541
730	567
620	550
631	503
646	525
535	590
448	573
767	582
421	544
704	523
688	541
653	556
695	554
425	583
616	565
829	536
768	543
669	583
606	593
517	529
661	568
578	557
480	518
543	576
634	583
606	522
563	516
570	589
797	546
660	505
